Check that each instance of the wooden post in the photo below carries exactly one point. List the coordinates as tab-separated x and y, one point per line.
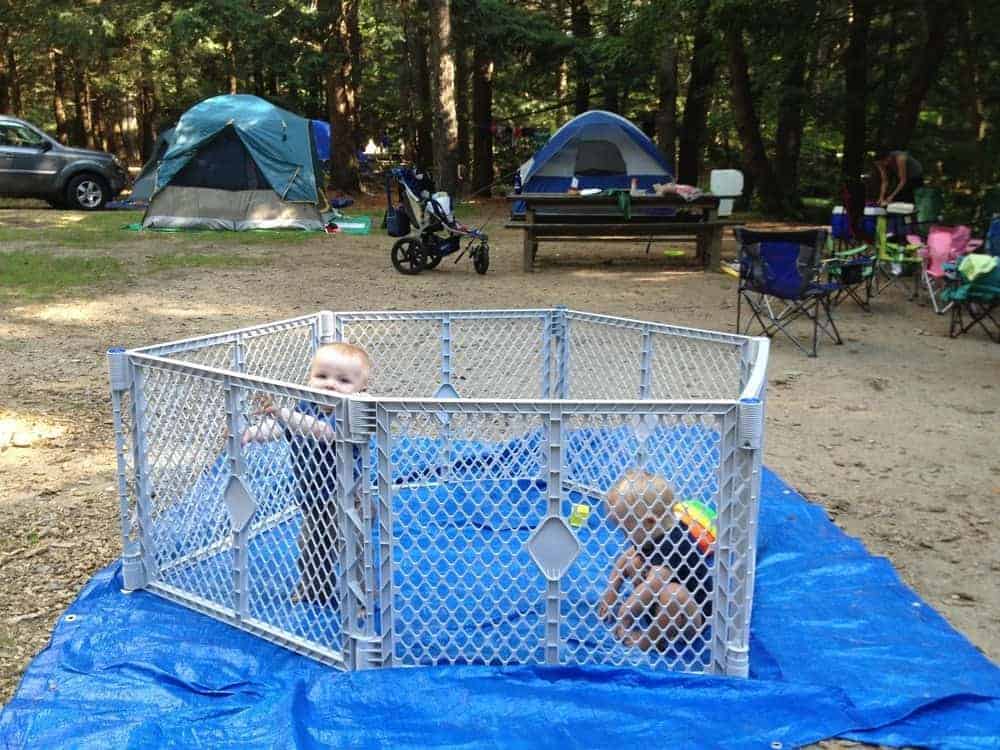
530	244
713	258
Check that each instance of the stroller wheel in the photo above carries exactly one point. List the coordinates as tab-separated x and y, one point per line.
481	259
432	261
408	256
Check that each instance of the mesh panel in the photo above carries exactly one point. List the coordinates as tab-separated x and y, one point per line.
603	361
465	588
641	590
405	354
690	368
185	429
282	355
296	545
498	358
219	356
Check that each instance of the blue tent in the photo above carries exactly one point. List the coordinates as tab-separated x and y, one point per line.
601	150
321	138
238	162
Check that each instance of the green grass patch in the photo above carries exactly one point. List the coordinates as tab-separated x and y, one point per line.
170	261
68	229
32	275
98	230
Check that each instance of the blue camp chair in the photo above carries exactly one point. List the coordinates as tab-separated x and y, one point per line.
779	274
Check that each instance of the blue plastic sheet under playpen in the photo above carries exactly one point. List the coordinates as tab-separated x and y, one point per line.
840	647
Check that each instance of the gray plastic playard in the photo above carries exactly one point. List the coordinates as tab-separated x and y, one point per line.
476	488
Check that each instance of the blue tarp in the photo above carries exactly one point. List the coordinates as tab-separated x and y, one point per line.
277	140
839	647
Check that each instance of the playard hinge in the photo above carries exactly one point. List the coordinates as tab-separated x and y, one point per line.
133	569
557	328
118	370
751	411
327	327
360	420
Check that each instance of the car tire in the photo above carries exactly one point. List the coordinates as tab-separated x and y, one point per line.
87	192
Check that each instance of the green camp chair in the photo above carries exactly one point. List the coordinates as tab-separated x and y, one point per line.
975	296
894	260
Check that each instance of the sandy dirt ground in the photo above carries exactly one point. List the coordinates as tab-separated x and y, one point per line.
895	433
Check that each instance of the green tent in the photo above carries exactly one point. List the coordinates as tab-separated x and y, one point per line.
238	162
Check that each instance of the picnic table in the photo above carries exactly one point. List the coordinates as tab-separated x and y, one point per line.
560	217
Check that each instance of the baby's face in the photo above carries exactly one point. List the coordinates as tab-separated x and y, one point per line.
338	372
641	511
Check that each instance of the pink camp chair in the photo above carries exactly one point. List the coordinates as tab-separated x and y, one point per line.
945	246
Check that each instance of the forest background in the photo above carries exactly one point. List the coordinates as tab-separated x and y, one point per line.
796	94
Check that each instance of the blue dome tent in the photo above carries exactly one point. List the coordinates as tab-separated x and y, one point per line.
602	150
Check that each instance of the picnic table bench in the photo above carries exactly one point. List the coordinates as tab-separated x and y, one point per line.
559	217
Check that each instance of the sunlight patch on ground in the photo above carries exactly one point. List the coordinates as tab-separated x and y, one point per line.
72	313
22	430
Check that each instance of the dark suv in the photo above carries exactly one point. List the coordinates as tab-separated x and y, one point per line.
32	165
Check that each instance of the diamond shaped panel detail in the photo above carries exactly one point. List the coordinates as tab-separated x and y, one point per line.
553	547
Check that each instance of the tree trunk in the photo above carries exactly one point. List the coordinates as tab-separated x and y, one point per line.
666	114
415	29
340	95
231	67
445	120
4	71
703	64
482	120
969	79
754	154
940	17
582	70
147	106
790	106
354	44
16	106
81	98
613	29
462	79
59	95
856	85
562	80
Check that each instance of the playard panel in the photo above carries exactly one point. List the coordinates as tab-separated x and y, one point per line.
454	530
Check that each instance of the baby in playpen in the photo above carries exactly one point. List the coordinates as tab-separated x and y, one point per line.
668	565
310	430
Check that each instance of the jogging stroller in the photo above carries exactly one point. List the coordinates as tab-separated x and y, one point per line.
427	229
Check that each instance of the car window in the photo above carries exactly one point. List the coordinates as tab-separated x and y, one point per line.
12	134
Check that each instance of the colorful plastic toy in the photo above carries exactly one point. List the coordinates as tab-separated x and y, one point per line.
699	520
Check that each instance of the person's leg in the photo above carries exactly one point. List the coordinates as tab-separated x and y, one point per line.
317	542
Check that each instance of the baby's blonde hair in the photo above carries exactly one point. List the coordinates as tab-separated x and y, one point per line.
642	494
343	349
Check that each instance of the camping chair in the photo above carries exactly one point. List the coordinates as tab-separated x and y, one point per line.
853	271
992	242
851	264
895	260
975	296
778	280
945	247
